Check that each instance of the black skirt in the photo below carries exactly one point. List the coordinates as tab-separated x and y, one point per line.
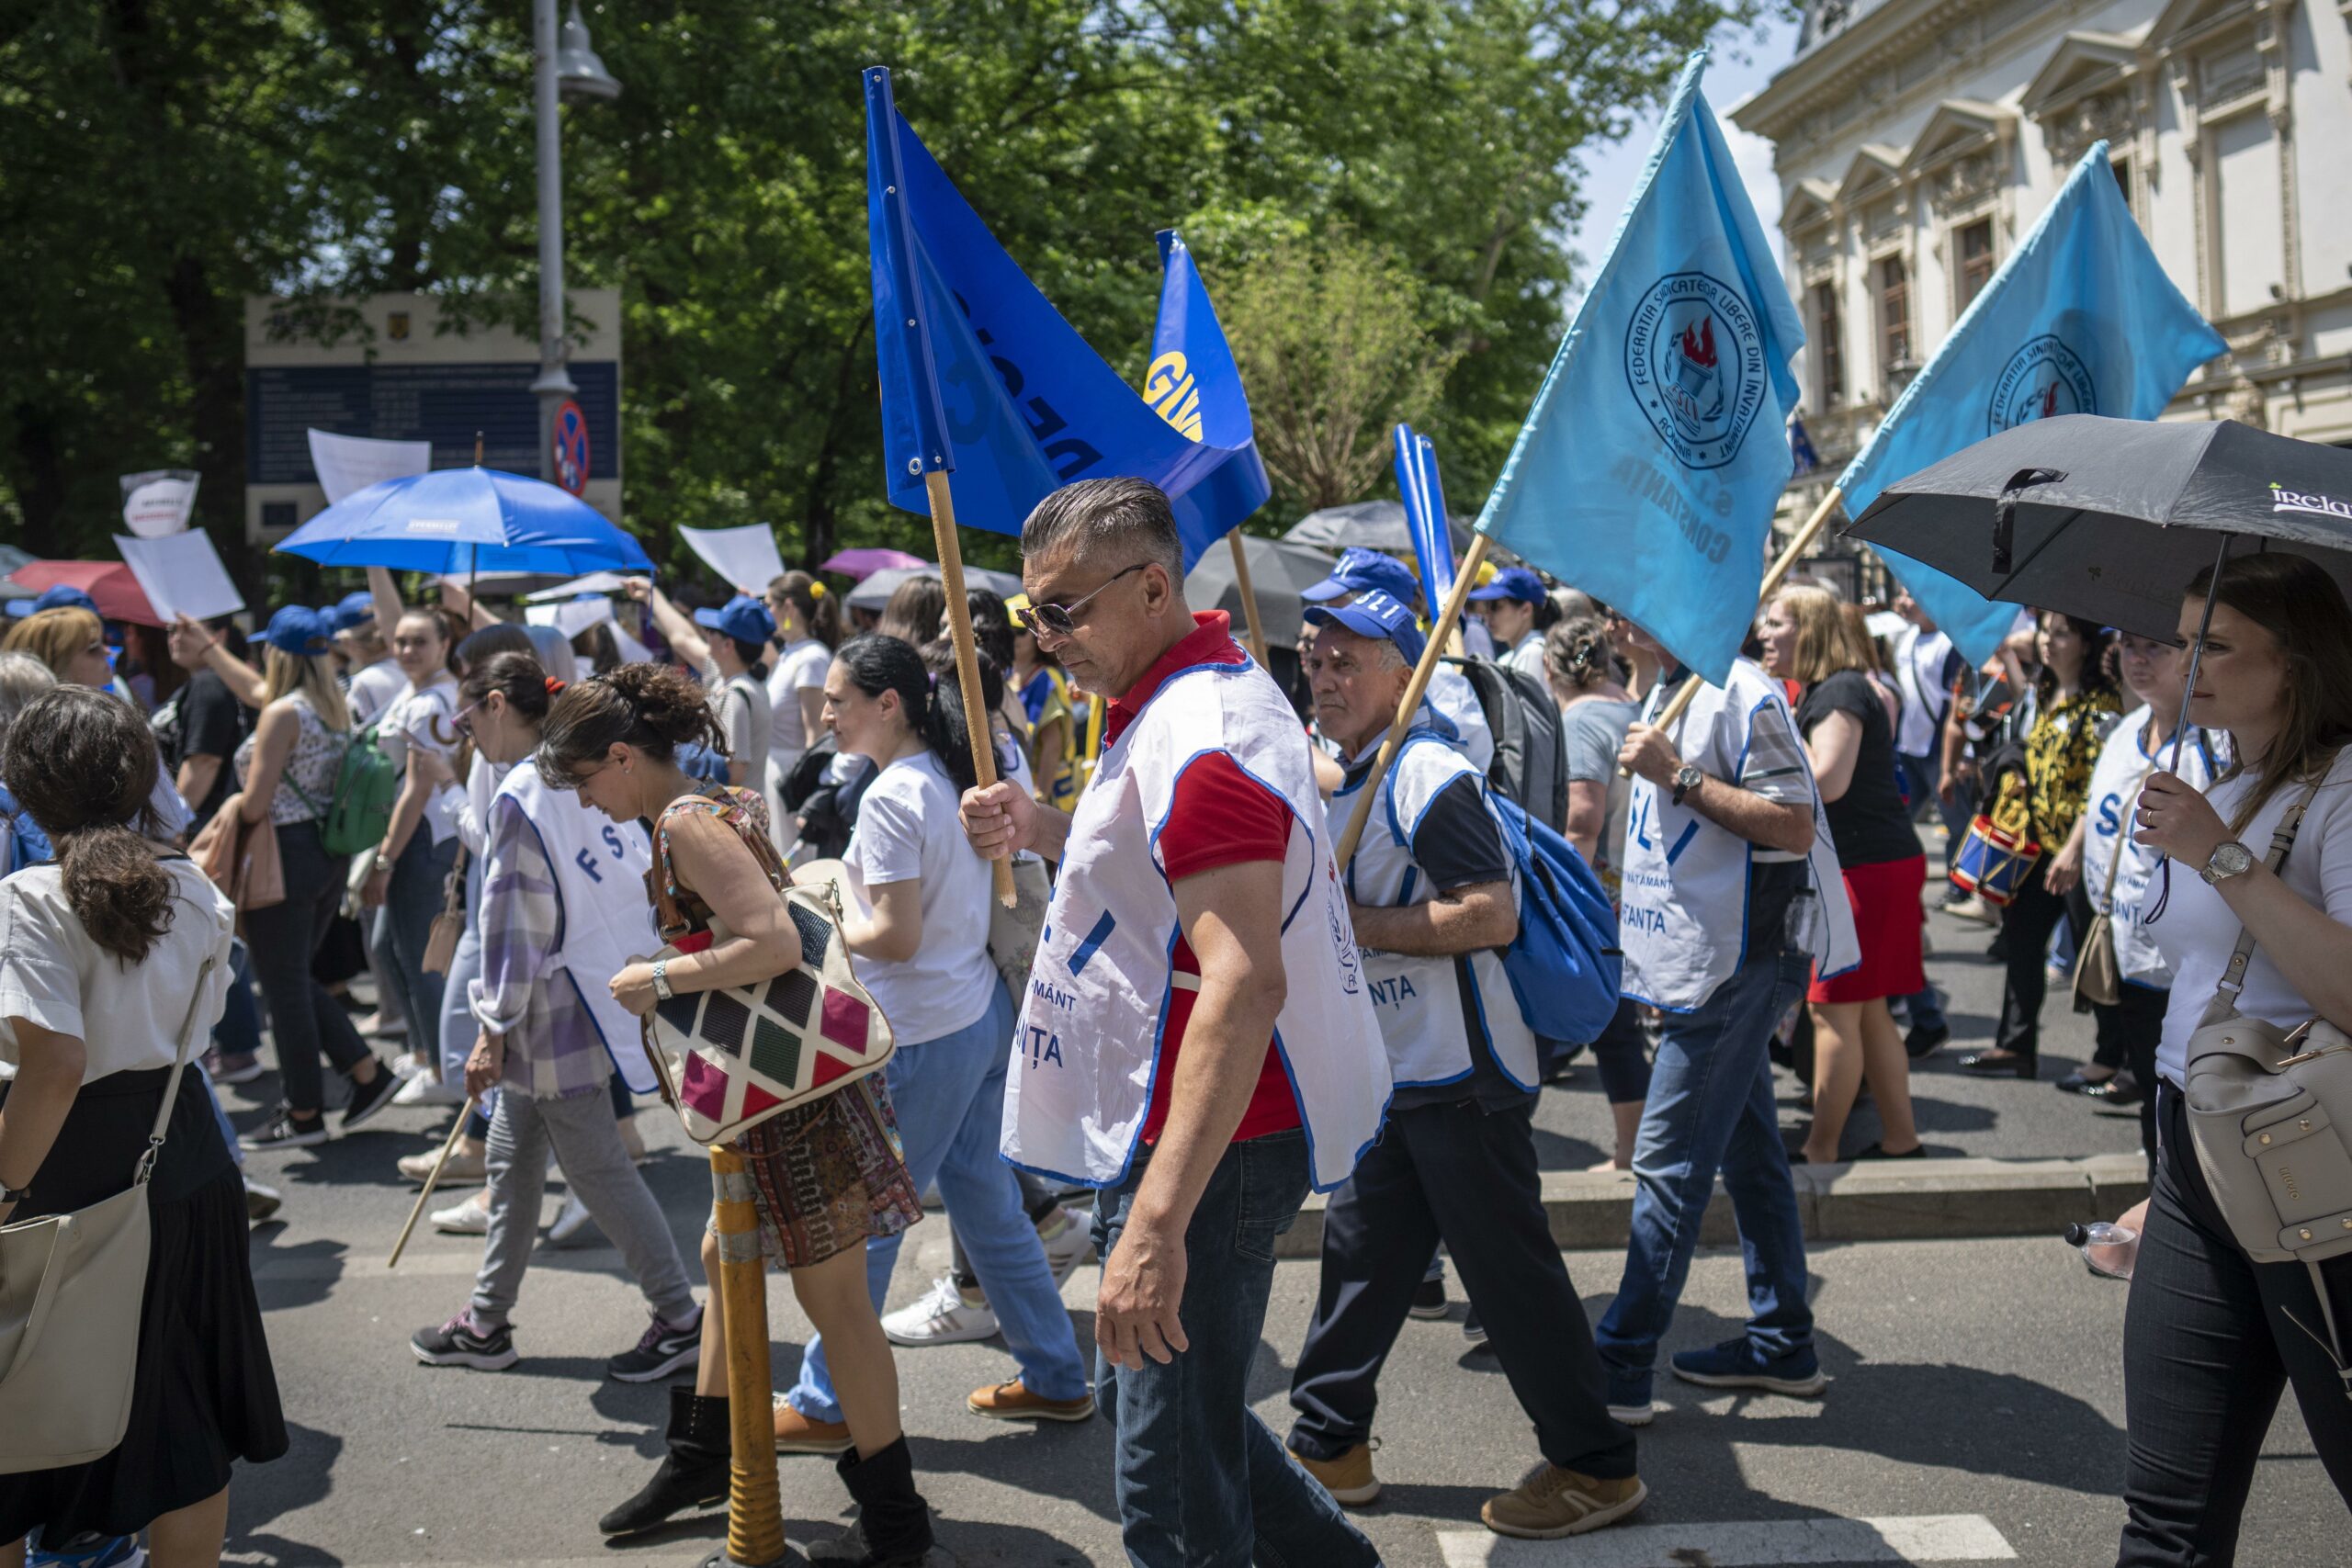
204	1393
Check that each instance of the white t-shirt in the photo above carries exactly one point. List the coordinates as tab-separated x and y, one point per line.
906	831
2198	931
373	690
1527	656
799	668
427	720
2123	763
127	1016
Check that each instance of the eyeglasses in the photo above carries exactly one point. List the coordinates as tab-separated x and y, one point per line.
460	723
1061	620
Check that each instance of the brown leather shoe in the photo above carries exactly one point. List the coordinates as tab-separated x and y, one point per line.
1012	1401
795	1434
1551	1503
1349	1478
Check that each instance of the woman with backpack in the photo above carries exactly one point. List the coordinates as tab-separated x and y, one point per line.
286	772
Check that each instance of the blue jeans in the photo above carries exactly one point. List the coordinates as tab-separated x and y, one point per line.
1710	1109
1201	1482
411	900
949	1094
239	1031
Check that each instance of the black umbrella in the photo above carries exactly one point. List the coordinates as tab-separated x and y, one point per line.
1278	573
1368	524
2110	519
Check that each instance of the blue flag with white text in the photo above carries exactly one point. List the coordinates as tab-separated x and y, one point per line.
1647	471
1415	464
2081	319
1194	385
982	377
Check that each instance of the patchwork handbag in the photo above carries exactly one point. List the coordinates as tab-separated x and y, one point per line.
731	1059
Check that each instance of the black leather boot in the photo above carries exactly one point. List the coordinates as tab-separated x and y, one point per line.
693	1473
893	1527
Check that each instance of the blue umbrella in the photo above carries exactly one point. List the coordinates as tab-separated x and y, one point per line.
454	521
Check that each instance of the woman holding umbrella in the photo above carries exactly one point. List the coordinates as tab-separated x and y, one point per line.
2074	708
2210	1337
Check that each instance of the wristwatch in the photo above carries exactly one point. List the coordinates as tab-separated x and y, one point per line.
2232	859
661	978
13	1194
1686	779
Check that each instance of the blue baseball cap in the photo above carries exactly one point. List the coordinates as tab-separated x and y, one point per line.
1374	614
1513	582
301	631
356	609
61	597
742	617
1364	571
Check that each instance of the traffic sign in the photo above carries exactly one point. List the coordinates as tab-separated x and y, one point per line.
571	447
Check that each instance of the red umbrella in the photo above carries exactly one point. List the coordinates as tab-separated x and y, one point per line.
119	595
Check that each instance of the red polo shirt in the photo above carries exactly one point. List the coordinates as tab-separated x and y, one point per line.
1220	817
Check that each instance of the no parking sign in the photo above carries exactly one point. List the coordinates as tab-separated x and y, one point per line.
571	441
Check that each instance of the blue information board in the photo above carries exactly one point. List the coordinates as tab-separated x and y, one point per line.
445	404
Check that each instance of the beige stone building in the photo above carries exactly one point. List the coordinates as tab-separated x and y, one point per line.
1917	141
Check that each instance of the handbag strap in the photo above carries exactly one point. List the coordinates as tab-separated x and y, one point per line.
2232	979
180	1065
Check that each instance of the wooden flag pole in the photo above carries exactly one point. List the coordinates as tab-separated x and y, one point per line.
432	1179
968	657
1249	596
1457	596
1779	574
754	1503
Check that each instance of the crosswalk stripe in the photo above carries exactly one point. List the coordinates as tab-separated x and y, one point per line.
1764	1543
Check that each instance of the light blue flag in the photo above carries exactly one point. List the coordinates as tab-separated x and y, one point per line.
1415	464
1194	385
1649	470
2081	319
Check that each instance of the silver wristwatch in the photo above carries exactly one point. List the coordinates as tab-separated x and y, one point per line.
2232	859
661	978
1686	779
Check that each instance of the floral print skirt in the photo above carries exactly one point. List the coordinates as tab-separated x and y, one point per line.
828	1174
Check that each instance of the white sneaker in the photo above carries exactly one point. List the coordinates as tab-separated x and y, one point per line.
426	1089
1069	1246
469	1218
571	1221
940	1318
408	1064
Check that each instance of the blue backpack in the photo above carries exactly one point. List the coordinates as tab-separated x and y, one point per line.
1564	965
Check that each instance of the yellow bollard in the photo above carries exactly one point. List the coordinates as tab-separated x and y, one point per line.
754	1508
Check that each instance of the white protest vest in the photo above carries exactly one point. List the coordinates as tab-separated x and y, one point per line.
2122	766
600	868
1683	912
1419	999
1097	1001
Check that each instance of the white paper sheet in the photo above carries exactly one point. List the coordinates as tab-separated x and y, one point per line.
349	463
594	583
159	501
181	573
745	558
571	617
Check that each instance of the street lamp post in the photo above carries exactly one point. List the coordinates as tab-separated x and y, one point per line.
564	66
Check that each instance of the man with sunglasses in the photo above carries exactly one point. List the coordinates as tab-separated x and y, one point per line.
1197	1039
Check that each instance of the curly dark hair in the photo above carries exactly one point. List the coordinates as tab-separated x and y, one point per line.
649	706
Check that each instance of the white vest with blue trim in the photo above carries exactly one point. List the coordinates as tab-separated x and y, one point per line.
1419	999
600	868
1097	1001
1683	910
2122	767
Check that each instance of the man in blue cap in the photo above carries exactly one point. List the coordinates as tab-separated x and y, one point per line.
1517	612
1363	572
1433	899
372	678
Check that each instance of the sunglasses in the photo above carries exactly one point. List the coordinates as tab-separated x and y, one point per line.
1061	620
460	721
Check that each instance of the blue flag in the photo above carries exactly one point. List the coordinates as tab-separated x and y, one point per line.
2081	319
1649	470
1194	386
1801	450
1424	495
981	378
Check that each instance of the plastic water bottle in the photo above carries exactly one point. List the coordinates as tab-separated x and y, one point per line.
2109	1250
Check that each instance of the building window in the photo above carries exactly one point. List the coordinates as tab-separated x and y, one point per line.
1893	319
2122	169
1826	333
1975	247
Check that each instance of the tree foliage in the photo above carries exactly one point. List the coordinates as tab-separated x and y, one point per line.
159	162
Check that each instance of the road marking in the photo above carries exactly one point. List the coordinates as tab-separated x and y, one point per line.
1775	1543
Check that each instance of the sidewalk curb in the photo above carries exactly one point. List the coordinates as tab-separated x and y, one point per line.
1922	1200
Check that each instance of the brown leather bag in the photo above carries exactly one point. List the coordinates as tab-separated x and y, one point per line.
241	858
441	941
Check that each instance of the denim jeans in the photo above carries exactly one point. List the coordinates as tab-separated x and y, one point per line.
1201	1482
414	897
949	1095
1711	1108
239	1031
